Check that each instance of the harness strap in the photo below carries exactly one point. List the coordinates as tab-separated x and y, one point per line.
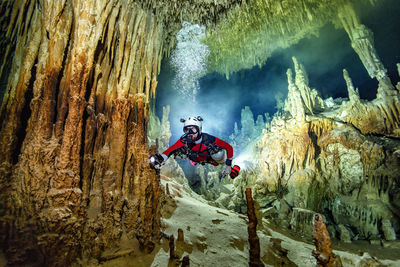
209	147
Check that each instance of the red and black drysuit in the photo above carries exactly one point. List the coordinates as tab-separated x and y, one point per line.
199	151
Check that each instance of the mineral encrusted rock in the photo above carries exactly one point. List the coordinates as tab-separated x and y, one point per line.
344	234
336	158
74	152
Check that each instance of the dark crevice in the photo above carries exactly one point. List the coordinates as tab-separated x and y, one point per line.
314	139
25	115
99	49
4	79
59	94
24	14
89	85
114	41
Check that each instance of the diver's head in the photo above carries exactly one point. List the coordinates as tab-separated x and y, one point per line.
192	127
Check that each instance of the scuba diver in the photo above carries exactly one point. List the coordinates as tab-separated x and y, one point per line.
199	148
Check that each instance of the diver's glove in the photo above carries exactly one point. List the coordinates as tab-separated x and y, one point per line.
234	171
227	169
156	161
225	172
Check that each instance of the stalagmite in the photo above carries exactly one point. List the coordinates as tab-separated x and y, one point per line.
301	99
81	77
353	93
398	68
323	252
380	116
252	230
294	101
180	235
171	248
398	73
301	81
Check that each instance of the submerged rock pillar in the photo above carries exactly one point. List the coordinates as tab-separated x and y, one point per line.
362	41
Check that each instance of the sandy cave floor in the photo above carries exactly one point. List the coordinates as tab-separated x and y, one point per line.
218	237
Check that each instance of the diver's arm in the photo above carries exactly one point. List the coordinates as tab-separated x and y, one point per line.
227	147
172	149
158	160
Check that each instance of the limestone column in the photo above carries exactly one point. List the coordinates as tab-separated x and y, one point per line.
81	175
362	41
294	103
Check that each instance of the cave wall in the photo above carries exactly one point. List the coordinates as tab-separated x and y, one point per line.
74	171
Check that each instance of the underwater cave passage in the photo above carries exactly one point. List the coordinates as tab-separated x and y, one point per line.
281	165
302	99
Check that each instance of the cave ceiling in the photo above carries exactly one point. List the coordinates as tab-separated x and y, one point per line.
242	34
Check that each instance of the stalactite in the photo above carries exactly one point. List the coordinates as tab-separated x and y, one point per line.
26	42
172	13
280	25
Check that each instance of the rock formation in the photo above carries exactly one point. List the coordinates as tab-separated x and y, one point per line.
337	160
322	241
86	72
